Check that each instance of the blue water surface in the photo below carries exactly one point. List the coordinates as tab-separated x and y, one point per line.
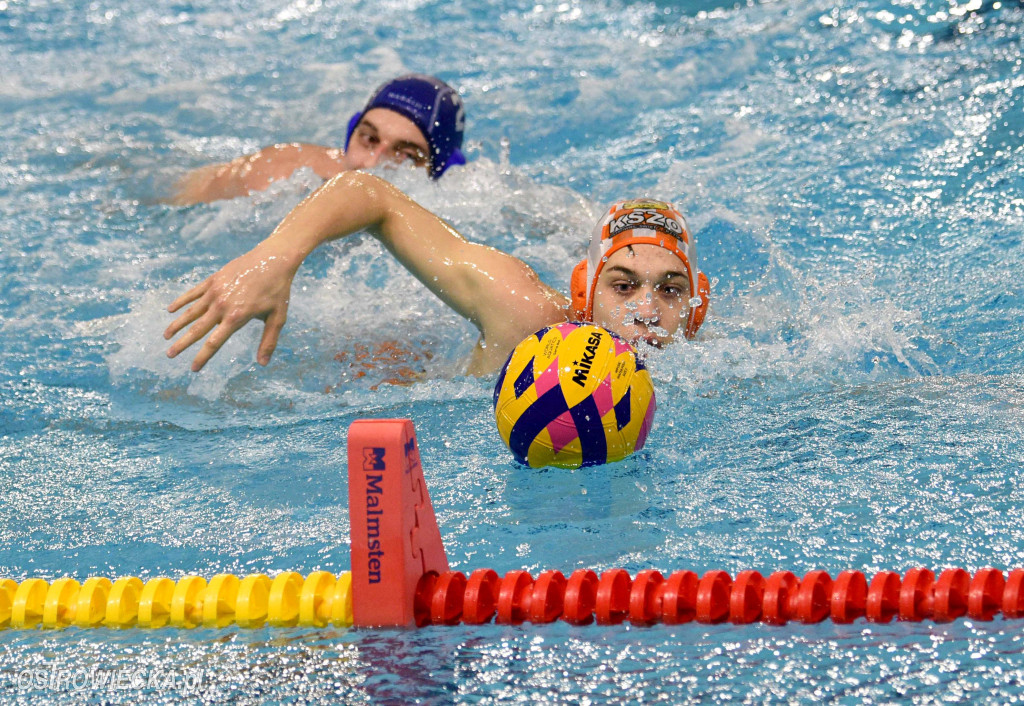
853	172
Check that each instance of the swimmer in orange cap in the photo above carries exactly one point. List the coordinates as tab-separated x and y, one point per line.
640	278
415	119
604	283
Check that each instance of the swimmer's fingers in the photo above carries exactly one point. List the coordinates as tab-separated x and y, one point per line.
271	332
218	338
191	314
199	329
189	296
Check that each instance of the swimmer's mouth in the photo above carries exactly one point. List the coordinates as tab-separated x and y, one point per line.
642	331
646	334
649	338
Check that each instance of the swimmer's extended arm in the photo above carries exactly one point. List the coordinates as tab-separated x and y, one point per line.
255	172
500	294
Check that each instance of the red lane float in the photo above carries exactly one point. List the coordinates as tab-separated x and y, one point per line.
612	604
650	598
481	600
883	597
679	598
985	594
849	597
580	597
1013	595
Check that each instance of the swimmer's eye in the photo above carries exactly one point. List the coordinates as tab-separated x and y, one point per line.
623	287
368	139
415	156
672	290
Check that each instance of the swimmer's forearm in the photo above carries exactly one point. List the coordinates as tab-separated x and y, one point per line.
348	203
488	287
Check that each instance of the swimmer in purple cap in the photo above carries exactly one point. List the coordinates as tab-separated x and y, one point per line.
415	119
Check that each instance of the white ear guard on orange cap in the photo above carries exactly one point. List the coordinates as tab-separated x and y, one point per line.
639	221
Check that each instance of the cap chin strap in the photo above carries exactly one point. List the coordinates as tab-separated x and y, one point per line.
582	310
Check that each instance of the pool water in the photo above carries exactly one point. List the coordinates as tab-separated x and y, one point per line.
853	172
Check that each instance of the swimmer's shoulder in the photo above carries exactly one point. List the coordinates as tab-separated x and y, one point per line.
326	162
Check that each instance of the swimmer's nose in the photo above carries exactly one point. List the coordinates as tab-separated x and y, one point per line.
368	159
375	157
646	308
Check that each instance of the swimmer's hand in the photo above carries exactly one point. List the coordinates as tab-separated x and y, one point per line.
256	285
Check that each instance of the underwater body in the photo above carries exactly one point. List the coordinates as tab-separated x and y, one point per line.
852	173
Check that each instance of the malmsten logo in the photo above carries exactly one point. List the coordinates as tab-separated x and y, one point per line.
373	461
373	458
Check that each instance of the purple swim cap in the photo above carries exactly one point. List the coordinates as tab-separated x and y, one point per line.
433	106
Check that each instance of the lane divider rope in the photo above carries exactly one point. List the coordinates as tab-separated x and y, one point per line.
400	577
287	600
651	597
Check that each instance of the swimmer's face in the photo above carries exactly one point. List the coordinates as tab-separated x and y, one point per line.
383	135
643	293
